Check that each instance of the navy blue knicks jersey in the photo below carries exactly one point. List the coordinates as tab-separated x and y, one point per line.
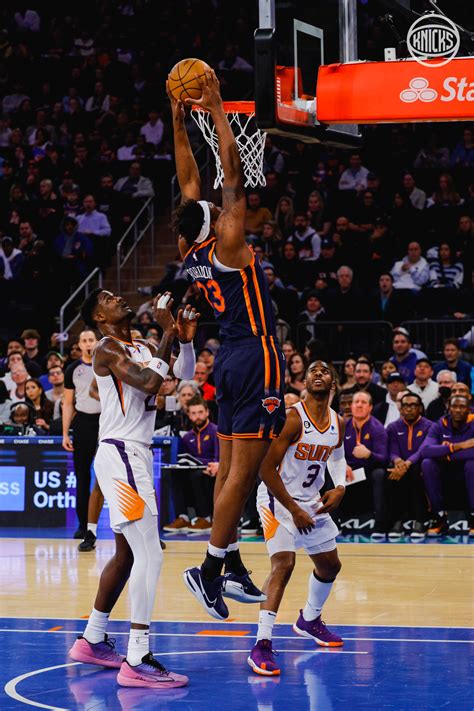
239	298
249	366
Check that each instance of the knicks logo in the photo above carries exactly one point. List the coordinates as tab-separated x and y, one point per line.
271	404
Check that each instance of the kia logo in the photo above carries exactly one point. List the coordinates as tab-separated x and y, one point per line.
433	37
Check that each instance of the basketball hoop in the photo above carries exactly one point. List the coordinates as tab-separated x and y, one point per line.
250	139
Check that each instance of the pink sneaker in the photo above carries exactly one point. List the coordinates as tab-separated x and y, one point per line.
103	653
150	673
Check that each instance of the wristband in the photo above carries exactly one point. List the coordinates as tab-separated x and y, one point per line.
159	366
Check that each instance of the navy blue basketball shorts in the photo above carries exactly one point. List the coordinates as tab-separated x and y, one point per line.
249	375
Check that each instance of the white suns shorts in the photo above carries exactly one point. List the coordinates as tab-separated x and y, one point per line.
124	471
281	533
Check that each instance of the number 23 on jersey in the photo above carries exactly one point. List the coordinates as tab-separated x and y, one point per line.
213	294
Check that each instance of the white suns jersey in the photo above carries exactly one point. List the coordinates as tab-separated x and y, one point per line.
303	466
126	413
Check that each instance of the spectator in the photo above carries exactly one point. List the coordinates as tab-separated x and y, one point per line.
306	240
463	154
74	251
128	150
355	176
201	375
348	380
256	215
202	443
313	312
387	304
96	227
48	210
404	489
412	272
386	368
5	403
363	382
297	366
271	238
424	385
345	404
273	160
27	236
27	21
452	361
135	186
417	196
288	348
293	272
19	376
446	195
99	102
31	340
153	129
23	415
186	390
56	380
285	300
317	215
11	259
51	359
448	456
206	356
324	269
284	215
365	445
439	407
36	396
405	357
16	359
445	272
345	302
387	412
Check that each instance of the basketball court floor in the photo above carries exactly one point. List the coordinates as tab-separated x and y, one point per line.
406	613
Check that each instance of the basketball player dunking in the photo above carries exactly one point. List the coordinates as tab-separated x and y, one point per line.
129	374
294	515
249	364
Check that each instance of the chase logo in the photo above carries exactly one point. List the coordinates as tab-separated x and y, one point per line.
12	488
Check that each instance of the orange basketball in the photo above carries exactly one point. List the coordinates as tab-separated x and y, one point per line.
182	78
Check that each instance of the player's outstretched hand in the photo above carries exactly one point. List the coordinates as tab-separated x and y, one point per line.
186	323
177	107
162	313
331	500
303	520
211	96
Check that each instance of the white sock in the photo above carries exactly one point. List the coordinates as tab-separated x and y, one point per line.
185	516
441	514
318	593
266	620
233	547
138	646
216	552
96	626
93	528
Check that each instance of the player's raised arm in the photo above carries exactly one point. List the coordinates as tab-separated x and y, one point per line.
112	357
230	225
186	166
271	478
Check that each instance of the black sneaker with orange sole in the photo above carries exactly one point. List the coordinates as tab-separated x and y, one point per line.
439	527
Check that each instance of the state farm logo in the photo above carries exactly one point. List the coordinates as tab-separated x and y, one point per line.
419	90
433	37
454	89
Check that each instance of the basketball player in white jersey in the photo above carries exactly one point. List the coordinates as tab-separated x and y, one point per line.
129	374
294	515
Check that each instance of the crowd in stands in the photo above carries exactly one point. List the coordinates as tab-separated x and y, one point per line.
381	234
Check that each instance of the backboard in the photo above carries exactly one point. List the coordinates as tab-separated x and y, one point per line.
294	38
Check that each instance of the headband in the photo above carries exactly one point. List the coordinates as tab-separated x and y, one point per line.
206	225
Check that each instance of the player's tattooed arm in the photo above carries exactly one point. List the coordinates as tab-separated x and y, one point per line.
272	479
186	166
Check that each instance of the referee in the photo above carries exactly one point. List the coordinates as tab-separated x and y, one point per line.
81	412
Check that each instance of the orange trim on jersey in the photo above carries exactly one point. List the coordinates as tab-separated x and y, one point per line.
204	244
339	439
269	523
211	252
314	423
127	343
266	355
248	435
259	299
248	303
130	503
277	384
225	437
359	431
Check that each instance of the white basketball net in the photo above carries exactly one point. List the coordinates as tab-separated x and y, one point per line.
250	141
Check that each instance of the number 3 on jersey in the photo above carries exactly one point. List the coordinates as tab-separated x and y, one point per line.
213	294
